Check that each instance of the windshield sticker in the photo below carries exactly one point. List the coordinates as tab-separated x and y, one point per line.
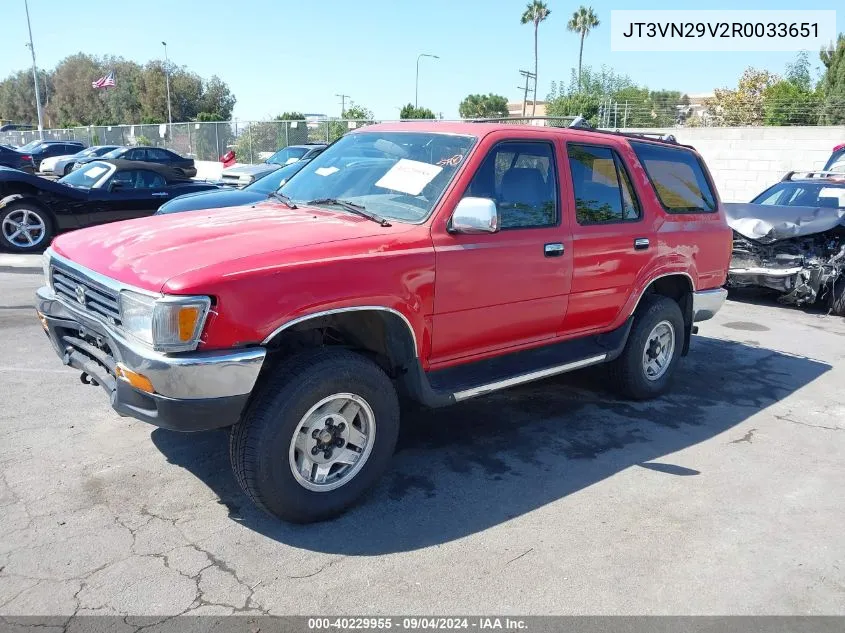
452	161
93	172
325	171
409	176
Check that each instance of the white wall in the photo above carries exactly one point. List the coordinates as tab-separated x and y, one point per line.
744	161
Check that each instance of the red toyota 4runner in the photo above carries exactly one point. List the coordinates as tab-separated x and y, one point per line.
435	261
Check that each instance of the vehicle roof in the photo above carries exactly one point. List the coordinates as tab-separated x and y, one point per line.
481	129
835	181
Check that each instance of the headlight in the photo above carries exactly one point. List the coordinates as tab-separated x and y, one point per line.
168	324
45	265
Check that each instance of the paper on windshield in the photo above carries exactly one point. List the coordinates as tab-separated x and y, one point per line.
325	171
409	176
96	170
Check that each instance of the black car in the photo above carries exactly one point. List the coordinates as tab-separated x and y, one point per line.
146	154
33	209
16	160
39	150
261	189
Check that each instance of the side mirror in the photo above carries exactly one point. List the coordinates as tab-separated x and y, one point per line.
475	215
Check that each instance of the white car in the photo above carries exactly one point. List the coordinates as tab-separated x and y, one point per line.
62	165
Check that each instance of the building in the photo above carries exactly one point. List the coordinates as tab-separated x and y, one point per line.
515	109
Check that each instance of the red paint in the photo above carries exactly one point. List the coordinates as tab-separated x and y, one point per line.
466	296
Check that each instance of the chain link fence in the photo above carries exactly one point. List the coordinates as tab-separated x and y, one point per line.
252	141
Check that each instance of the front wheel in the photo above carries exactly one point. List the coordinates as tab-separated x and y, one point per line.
646	366
319	433
24	228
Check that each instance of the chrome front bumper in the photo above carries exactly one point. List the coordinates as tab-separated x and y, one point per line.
706	303
192	391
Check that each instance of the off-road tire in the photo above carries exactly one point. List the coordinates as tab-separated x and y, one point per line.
45	217
259	443
627	373
837	296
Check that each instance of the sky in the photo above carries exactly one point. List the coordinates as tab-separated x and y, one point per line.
281	56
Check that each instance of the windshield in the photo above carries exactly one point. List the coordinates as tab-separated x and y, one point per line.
397	175
804	194
86	177
287	155
115	153
276	179
30	146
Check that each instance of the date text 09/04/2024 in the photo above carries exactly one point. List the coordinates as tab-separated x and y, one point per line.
416	623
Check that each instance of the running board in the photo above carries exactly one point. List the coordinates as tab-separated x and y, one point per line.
523	378
469	380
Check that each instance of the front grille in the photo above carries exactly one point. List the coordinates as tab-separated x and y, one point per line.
82	292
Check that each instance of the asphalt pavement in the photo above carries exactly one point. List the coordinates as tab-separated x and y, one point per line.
724	497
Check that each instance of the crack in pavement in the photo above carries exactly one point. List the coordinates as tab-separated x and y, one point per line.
745	438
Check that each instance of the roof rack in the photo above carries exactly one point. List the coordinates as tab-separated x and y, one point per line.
817	173
580	123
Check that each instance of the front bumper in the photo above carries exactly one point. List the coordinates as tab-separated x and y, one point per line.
706	303
781	279
191	392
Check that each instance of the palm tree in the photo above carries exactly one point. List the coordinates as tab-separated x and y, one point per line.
535	12
583	20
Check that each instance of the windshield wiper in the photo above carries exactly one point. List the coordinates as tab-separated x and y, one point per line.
357	209
283	199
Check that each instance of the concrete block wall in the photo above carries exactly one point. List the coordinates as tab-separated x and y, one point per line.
745	161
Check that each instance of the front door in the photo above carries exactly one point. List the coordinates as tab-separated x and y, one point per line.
507	289
126	195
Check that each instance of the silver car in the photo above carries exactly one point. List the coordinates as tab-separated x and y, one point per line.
243	175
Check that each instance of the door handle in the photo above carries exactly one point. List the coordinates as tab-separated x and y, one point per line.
553	250
160	194
641	243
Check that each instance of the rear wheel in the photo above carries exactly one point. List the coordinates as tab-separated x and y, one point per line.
68	168
317	436
25	228
645	368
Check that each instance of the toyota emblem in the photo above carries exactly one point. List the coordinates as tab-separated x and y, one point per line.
80	294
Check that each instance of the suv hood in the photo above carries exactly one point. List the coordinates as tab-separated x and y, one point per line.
150	251
772	222
251	170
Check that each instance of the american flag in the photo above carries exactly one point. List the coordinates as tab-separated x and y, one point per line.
107	81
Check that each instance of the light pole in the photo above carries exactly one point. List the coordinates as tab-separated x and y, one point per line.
167	81
417	90
34	72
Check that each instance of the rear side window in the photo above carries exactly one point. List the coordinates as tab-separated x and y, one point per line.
602	188
677	178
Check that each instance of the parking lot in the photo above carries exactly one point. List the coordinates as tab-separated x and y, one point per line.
555	498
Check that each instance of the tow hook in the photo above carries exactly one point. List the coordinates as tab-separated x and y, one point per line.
86	379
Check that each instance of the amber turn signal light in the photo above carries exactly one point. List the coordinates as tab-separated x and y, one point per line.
139	381
43	320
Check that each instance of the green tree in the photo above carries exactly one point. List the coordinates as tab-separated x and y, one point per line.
582	21
832	84
745	105
411	112
489	106
290	116
785	103
535	12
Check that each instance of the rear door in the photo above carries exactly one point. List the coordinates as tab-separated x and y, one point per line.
612	232
507	289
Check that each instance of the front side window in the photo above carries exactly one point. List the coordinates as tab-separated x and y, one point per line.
397	175
118	152
677	177
601	185
520	177
138	179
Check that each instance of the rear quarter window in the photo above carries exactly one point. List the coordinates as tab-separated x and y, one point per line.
677	177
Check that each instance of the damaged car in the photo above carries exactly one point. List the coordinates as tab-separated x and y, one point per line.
791	238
